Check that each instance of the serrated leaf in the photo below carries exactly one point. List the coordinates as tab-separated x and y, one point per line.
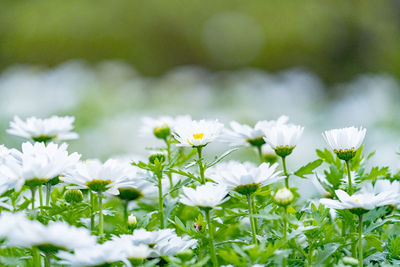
308	169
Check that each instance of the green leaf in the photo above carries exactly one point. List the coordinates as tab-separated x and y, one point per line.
220	158
323	255
326	156
308	169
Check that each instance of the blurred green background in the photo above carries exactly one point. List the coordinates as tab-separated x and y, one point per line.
336	40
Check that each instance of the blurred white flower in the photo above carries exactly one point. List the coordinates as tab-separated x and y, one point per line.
345	142
244	178
164	242
208	195
53	128
161	127
96	255
197	133
244	135
39	162
19	231
100	177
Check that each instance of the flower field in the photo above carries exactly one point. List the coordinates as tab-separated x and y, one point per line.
186	205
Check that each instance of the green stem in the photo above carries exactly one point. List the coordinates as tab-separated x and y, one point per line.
285	172
91	210
48	192
41	198
101	218
349	177
126	202
36	257
259	150
47	260
33	190
211	239
169	160
253	226
201	166
360	247
160	201
285	228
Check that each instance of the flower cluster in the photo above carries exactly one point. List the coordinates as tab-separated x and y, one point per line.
183	207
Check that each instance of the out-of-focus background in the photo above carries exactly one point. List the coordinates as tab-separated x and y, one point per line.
325	64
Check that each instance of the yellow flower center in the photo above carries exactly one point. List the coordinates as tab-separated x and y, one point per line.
197	136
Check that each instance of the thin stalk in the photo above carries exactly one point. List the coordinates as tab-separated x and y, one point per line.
91	210
349	177
285	228
101	218
260	155
285	172
126	202
41	198
211	239
33	190
36	257
171	183
160	202
48	192
254	200
201	166
360	247
47	260
253	226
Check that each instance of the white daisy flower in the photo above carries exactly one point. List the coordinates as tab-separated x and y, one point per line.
96	255
363	200
129	248
244	178
345	142
164	242
44	130
161	127
10	170
19	231
384	185
244	135
197	133
40	163
208	195
100	177
283	138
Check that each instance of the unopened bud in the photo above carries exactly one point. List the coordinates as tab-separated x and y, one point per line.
162	132
132	220
73	196
283	197
350	261
157	156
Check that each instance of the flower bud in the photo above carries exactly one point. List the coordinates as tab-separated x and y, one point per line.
350	261
73	196
132	220
157	156
283	196
162	132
